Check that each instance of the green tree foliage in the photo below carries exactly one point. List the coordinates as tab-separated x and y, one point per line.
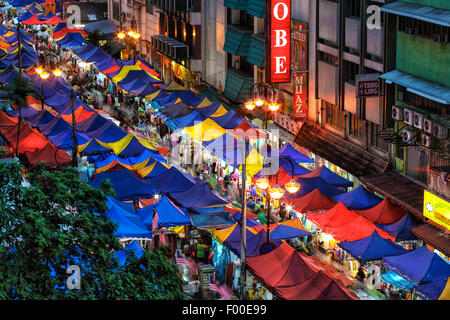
18	90
52	221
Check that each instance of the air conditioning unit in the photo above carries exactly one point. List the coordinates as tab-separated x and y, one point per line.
408	116
418	120
397	113
427	126
439	131
426	140
408	137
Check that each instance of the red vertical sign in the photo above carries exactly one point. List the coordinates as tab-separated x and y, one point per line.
279	35
299	57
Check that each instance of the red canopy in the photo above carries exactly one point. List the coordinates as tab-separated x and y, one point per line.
383	213
345	225
291	275
313	201
29	139
7	121
49	154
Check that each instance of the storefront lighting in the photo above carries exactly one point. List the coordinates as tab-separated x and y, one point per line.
292	186
262	183
276	192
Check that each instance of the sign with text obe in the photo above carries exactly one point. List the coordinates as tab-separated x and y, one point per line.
279	41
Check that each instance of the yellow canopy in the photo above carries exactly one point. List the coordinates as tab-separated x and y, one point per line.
207	130
173	86
204	103
152	96
136	167
254	163
148	169
219	112
125	70
119	145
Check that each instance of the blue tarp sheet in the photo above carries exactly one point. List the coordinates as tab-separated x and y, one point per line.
135	250
371	248
308	185
198	196
126	185
329	176
358	199
172	180
401	229
419	266
126	228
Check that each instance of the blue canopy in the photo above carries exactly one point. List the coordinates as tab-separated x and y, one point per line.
330	177
92	123
289	151
198	196
229	120
8	74
187	96
124	212
419	266
95	147
372	247
126	228
358	199
169	215
135	250
172	180
111	202
308	185
437	290
401	229
210	221
126	185
253	244
227	148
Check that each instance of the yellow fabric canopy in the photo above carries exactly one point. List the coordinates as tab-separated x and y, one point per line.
204	103
134	167
126	69
152	96
219	112
254	162
207	130
119	145
173	86
148	169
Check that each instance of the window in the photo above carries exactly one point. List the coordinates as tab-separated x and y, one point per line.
116	11
375	139
328	58
424	29
357	127
355	8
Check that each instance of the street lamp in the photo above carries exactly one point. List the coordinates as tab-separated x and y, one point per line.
134	36
44	76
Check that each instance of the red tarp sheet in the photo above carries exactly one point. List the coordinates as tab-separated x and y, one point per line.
313	201
292	275
7	121
29	139
345	225
49	154
383	213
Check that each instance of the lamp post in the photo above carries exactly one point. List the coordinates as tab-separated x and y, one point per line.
134	36
44	76
19	25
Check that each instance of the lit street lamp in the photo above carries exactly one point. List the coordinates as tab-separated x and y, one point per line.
134	36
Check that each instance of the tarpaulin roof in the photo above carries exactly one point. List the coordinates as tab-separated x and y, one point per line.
226	148
393	278
7	121
29	140
155	169
92	123
92	146
90	52
289	151
307	185
419	266
313	201
345	225
371	248
48	154
198	196
209	221
187	96
383	213
126	228
64	140
172	180
107	28
329	176
436	290
125	184
126	213
293	276
358	199
109	132
211	109
133	247
111	202
401	229
172	86
231	237
169	214
284	230
8	74
131	73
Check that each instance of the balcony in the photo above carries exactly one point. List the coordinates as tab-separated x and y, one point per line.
237	85
353	33
237	40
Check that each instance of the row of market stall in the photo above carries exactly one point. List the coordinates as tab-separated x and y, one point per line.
361	223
